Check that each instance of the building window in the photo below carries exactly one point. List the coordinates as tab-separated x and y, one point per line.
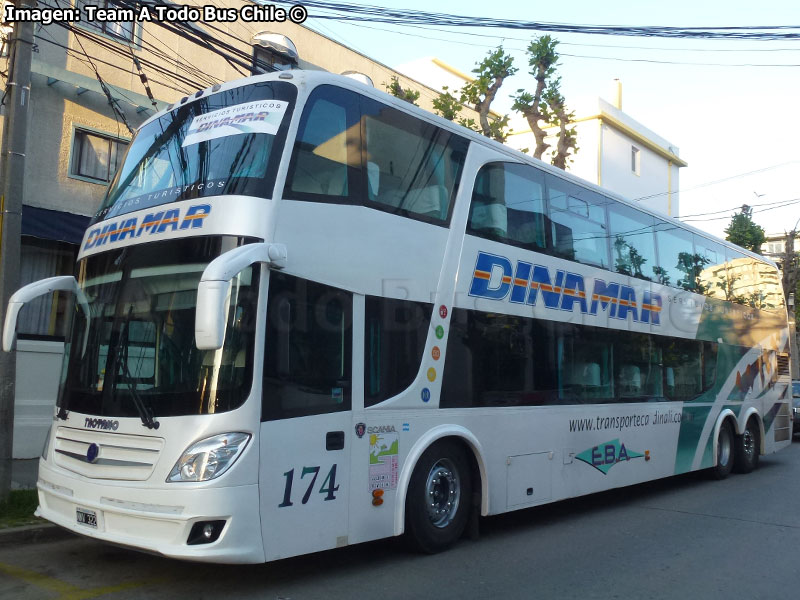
636	160
775	247
46	316
266	60
96	156
122	30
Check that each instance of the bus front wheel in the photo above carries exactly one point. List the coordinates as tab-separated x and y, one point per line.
724	452
748	448
438	499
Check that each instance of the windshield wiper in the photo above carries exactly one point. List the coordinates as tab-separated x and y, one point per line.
145	413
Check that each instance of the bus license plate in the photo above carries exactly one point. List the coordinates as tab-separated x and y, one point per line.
87	517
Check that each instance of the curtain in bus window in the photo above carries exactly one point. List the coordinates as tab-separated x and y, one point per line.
308	356
683	372
676	256
413	167
637	367
327	148
508	205
579	227
584	365
632	242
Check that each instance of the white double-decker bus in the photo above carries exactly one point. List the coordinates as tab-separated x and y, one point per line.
309	315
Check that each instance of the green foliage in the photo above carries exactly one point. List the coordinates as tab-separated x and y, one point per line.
398	91
481	92
18	509
447	105
547	105
743	231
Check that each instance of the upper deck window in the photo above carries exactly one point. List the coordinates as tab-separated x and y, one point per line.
508	205
355	150
225	143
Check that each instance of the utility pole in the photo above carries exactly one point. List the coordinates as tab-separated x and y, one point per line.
12	178
790	272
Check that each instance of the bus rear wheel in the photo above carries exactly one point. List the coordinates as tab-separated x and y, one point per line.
725	452
438	499
748	448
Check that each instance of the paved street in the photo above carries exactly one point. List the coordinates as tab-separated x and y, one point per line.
687	537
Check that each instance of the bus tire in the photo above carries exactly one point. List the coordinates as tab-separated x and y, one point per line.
439	497
748	447
725	452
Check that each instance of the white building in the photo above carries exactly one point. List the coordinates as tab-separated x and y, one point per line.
617	153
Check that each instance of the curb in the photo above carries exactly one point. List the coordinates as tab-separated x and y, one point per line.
33	534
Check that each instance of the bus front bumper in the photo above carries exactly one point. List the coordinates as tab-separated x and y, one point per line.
155	520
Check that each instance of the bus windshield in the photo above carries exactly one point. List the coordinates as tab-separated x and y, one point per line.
140	347
226	143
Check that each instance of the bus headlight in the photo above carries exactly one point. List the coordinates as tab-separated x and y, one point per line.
209	458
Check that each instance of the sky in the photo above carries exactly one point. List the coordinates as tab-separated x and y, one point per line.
730	106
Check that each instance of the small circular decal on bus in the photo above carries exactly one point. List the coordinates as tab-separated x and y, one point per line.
436	353
443	311
426	395
439	332
431	374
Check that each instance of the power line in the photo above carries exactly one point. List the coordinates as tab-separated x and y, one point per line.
355	12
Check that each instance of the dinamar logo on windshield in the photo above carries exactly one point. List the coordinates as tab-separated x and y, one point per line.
605	456
153	223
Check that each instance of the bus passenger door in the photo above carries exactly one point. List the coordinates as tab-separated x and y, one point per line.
306	432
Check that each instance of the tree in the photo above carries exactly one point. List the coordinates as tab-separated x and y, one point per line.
547	104
481	91
398	91
744	231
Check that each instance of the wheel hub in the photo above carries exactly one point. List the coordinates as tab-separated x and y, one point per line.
749	442
442	493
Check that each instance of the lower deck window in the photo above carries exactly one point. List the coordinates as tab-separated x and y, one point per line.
503	360
308	355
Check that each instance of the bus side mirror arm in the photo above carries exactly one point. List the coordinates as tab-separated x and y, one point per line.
213	292
33	290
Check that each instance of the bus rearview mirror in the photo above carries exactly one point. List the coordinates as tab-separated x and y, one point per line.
33	290
213	292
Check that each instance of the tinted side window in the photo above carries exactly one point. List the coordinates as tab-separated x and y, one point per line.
502	360
412	167
752	282
326	162
308	355
508	205
579	226
394	341
683	371
632	242
675	256
711	276
497	360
